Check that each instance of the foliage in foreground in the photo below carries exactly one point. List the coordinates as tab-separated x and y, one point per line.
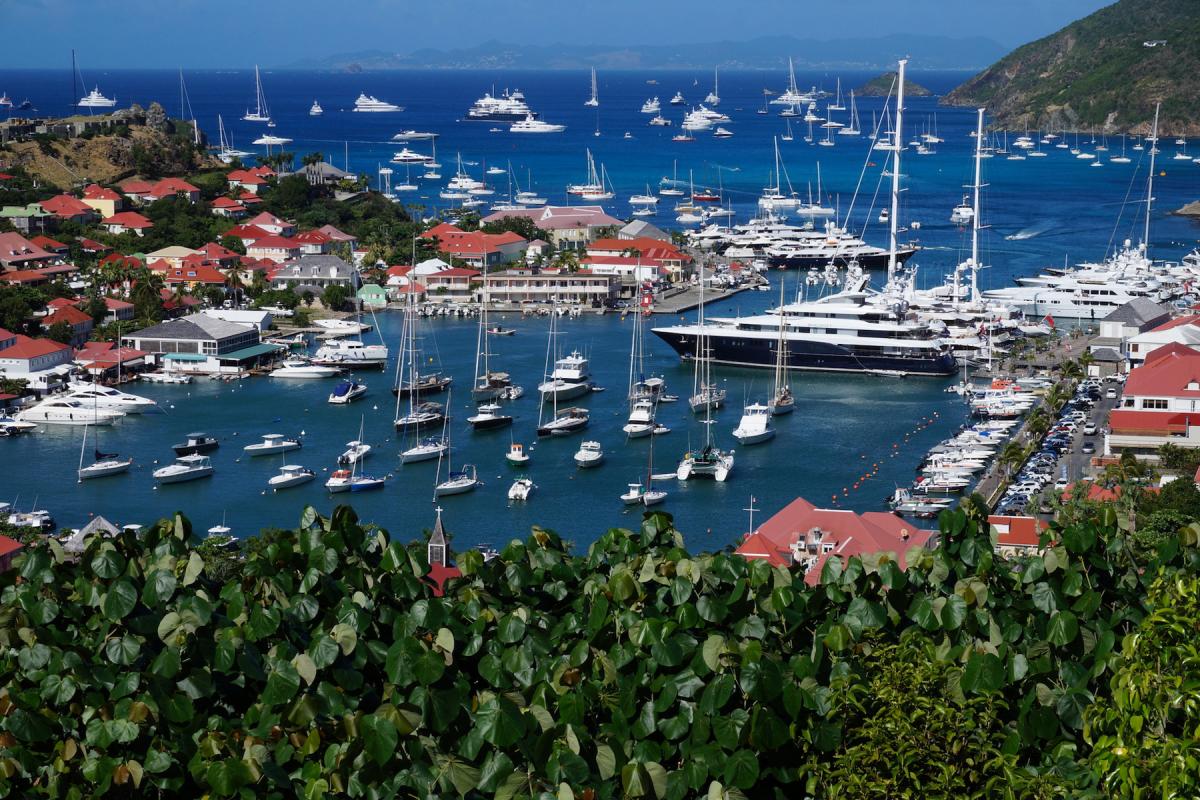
324	665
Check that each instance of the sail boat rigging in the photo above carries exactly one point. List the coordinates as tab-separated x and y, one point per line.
566	378
594	100
460	481
261	112
643	392
419	414
713	98
782	401
105	464
710	461
705	396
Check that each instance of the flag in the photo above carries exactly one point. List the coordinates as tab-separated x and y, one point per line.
1049	320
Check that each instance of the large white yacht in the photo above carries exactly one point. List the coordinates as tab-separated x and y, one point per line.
351	353
94	99
571	378
68	411
532	124
111	399
508	107
366	102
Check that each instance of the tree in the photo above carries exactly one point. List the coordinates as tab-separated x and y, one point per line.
61	332
334	297
522	226
96	308
308	297
17	304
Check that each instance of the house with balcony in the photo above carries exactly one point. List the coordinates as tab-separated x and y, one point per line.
477	249
514	288
804	537
314	274
275	248
17	252
1160	404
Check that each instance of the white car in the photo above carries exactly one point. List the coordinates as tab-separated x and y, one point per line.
1111	394
1089	429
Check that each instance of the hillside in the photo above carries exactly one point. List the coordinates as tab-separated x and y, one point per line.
885	84
127	142
1099	72
767	52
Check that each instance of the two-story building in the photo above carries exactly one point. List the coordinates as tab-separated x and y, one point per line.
17	252
315	273
81	323
1137	316
202	344
570	227
455	285
124	221
477	249
275	248
35	360
514	288
103	201
1159	404
1181	330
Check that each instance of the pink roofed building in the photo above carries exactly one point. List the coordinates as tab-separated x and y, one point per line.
173	187
273	224
275	248
313	243
571	227
476	248
17	252
127	221
804	537
247	180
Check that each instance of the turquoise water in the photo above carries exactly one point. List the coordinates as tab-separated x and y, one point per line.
1040	211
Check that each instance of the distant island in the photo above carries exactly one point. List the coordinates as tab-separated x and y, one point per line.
1103	72
885	84
1191	209
767	52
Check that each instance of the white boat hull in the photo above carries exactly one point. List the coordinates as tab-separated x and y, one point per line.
105	468
183	477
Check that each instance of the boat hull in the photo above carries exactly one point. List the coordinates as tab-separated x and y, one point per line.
103	470
184	477
564	391
806	355
195	449
821	260
558	428
417	456
490	423
757	437
290	482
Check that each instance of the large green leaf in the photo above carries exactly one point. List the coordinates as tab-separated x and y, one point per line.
1063	628
282	684
500	722
379	738
120	599
741	769
984	672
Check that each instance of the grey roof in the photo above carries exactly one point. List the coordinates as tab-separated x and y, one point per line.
315	266
1107	355
639	228
1138	311
192	327
77	541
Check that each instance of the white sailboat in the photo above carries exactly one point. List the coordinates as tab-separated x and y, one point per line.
594	100
706	397
713	98
851	129
105	464
260	113
782	401
419	415
709	461
489	385
459	481
226	152
642	403
563	378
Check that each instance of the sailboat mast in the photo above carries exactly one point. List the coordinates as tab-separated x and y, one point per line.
1150	181
975	213
896	143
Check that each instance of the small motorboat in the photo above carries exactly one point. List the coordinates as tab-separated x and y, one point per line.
590	454
185	468
271	444
496	330
347	392
516	455
355	451
290	475
339	481
303	369
755	426
196	443
512	392
568	421
521	489
634	495
489	418
11	425
366	483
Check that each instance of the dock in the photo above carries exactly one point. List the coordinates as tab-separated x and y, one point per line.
677	301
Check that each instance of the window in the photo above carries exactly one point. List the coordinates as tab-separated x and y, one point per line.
1154	403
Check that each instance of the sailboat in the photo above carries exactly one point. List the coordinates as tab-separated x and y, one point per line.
713	98
705	396
349	480
642	403
185	109
226	152
488	385
420	414
669	187
787	137
561	383
594	100
836	105
105	464
782	401
709	461
852	129
260	113
1121	159
458	481
645	494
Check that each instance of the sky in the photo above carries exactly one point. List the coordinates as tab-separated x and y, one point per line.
237	33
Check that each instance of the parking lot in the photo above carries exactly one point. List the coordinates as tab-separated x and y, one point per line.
1065	452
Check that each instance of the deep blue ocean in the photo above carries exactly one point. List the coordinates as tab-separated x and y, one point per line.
1039	212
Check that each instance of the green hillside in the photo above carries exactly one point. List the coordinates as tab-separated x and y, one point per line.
885	84
1101	72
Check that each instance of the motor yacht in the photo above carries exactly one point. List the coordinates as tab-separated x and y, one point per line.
196	443
590	454
651	106
368	103
303	369
488	418
110	398
507	107
95	99
290	475
315	109
571	378
406	156
185	468
351	353
755	425
347	392
521	489
355	452
271	444
342	327
641	419
66	411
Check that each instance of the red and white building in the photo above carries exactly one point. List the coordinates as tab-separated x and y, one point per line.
17	252
104	202
23	357
124	221
804	537
478	249
172	187
455	285
68	208
1181	330
313	243
571	227
1017	536
81	323
274	248
1159	404
273	224
225	207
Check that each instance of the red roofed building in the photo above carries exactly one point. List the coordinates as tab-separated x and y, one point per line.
127	221
92	246
17	252
1183	330
246	179
66	207
805	537
571	227
9	549
26	356
170	187
275	248
313	242
51	245
104	359
104	201
220	255
118	310
249	199
476	248
135	189
193	275
80	322
273	224
1017	536
1159	404
339	237
247	233
224	207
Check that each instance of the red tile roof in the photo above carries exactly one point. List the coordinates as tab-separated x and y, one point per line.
198	273
1167	372
245	176
92	246
455	272
335	234
247	232
267	218
53	245
172	186
97	192
1187	319
225	202
28	349
16	249
66	206
273	242
135	186
1017	531
128	219
1151	423
8	546
219	252
312	237
68	314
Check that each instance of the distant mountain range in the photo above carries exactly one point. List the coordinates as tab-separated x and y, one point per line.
768	52
1103	72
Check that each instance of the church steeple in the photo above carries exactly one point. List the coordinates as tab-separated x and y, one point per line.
439	543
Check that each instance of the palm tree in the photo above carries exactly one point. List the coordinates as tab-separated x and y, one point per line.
1011	457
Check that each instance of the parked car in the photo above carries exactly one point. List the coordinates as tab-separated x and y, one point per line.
1089	429
1087	448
